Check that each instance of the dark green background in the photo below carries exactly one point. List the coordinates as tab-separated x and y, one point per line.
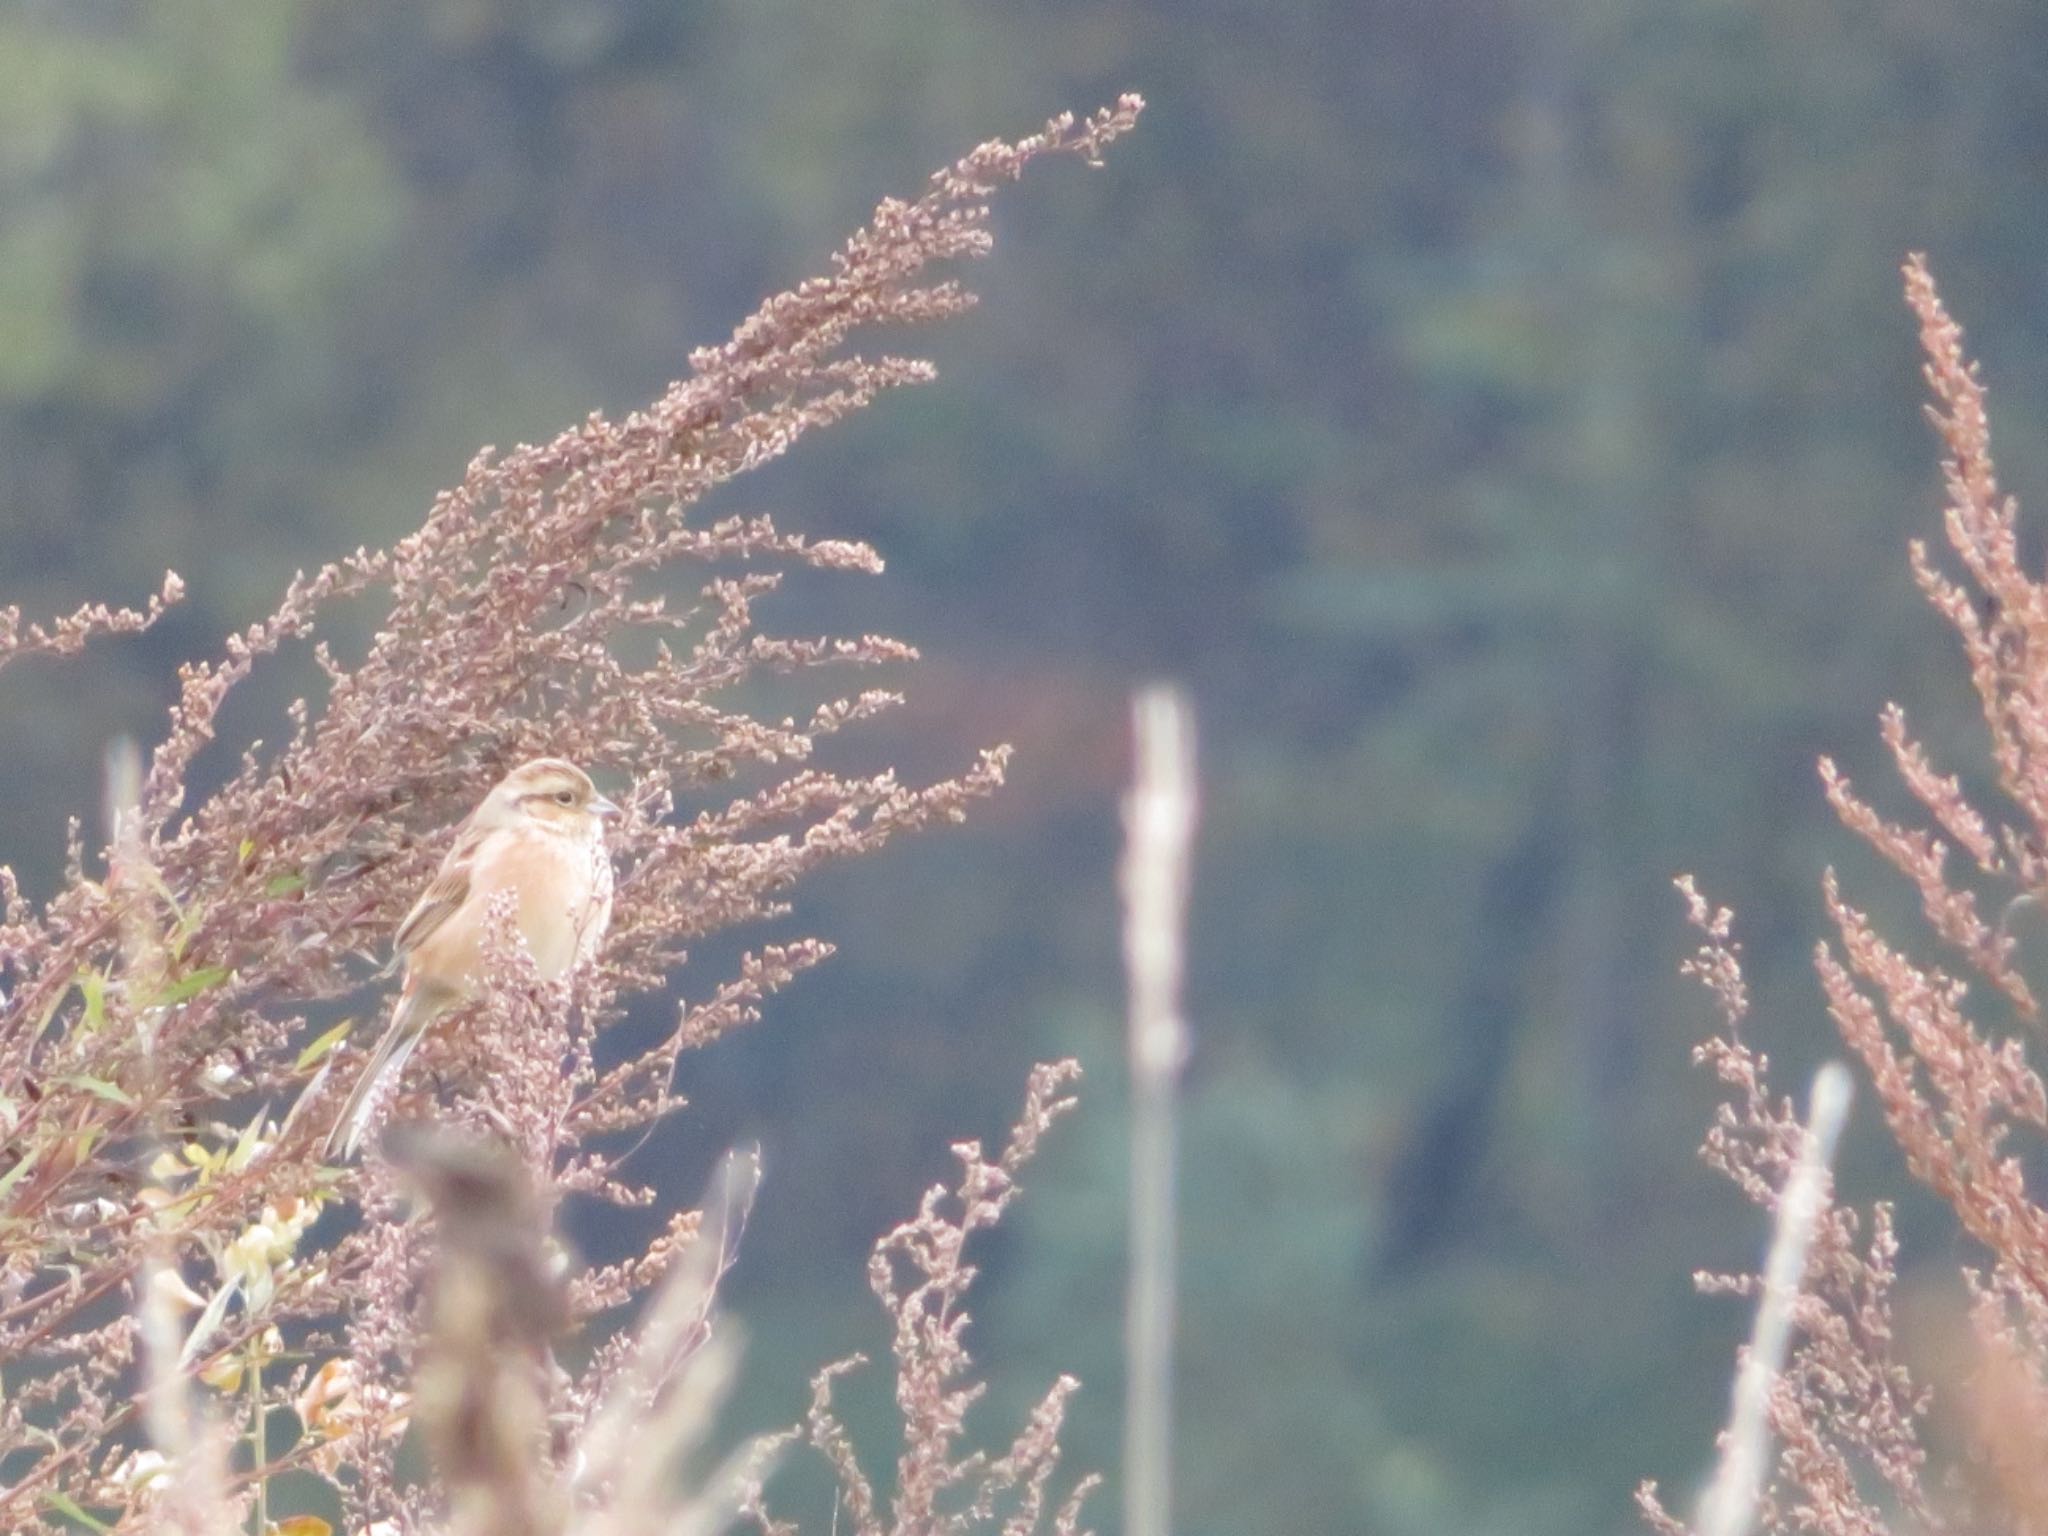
1498	413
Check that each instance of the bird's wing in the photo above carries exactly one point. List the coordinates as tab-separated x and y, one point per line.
444	893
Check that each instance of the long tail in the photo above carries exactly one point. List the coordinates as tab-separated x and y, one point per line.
408	1024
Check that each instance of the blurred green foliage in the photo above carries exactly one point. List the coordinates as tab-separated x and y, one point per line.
1499	412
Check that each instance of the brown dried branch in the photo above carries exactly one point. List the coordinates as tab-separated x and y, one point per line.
75	631
920	1275
1847	1417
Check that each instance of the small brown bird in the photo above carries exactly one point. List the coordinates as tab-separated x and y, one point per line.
540	835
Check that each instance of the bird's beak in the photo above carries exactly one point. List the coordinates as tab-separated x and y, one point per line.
604	808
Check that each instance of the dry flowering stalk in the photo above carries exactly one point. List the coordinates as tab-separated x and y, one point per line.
1729	1505
497	1305
619	1464
536	610
920	1275
1953	1074
498	1302
1846	1417
76	630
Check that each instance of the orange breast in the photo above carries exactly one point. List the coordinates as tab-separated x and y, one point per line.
561	891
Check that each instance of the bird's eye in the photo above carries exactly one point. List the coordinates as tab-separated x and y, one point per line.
564	796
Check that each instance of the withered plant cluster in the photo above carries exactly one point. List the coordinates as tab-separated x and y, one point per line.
920	1275
187	1307
1862	1444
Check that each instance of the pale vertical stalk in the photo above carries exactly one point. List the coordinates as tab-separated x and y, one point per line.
1728	1507
1159	823
194	1500
259	1448
130	877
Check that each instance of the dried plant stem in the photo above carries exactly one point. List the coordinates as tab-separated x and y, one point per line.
259	1451
1728	1508
1159	823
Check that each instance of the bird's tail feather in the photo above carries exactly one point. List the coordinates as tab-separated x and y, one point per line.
387	1062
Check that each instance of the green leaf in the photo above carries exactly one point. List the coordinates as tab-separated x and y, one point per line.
245	1144
192	983
14	1175
284	885
324	1044
97	1086
92	986
184	922
67	1506
50	1008
154	879
208	1322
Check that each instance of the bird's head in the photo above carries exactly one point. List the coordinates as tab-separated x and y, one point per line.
554	793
